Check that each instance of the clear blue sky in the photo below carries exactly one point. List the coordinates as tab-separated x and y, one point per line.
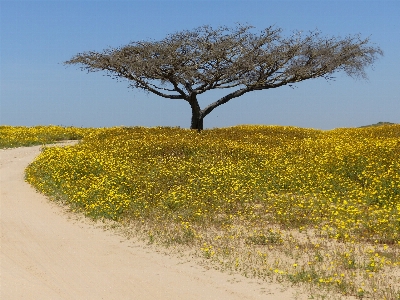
38	36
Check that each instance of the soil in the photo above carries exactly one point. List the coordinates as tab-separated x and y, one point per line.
47	254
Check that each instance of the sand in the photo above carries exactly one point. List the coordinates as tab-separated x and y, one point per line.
45	254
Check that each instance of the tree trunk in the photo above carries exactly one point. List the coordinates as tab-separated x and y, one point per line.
197	123
197	118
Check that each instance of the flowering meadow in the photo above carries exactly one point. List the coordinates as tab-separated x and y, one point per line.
18	136
320	209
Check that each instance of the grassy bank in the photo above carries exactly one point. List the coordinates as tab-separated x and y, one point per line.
18	136
315	208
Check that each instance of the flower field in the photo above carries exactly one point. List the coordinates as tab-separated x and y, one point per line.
316	208
18	136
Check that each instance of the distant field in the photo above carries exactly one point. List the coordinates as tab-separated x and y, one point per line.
18	136
378	124
314	208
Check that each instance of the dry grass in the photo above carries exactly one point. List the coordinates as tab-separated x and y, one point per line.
318	209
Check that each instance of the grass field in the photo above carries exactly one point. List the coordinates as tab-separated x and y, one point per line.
320	209
18	136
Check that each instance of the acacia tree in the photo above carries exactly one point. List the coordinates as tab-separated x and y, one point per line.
188	63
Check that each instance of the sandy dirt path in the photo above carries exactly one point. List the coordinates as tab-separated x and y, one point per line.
46	255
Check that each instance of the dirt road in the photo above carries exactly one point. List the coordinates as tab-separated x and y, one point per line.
46	255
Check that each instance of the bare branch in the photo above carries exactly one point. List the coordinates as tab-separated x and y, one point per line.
188	63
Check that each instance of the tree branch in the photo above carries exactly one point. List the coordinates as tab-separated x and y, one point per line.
224	100
193	62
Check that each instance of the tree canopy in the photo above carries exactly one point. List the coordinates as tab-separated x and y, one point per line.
191	62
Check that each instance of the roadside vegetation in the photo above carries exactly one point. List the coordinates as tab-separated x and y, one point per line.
19	136
319	209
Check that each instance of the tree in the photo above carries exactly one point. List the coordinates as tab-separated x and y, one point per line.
186	64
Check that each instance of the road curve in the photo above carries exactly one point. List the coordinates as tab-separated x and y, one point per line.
46	255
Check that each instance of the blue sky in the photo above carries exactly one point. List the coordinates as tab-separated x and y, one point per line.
38	36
